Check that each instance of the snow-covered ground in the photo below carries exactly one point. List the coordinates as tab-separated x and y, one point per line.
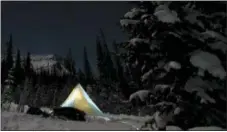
21	121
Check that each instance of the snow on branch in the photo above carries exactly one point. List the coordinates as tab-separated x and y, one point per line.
200	87
133	13
209	62
126	22
164	14
136	41
213	34
219	46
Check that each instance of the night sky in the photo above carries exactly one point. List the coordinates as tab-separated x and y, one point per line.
54	27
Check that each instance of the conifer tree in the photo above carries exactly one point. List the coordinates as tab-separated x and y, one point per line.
99	53
110	72
28	65
81	76
87	68
178	47
70	63
55	87
3	71
9	56
25	95
18	70
9	87
118	66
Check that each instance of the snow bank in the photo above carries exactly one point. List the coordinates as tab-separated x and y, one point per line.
206	128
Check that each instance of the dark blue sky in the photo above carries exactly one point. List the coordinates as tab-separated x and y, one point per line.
54	27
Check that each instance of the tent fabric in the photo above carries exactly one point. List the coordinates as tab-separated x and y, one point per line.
79	99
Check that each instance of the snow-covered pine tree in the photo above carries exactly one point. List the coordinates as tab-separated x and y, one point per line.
7	60
9	87
24	95
181	41
36	97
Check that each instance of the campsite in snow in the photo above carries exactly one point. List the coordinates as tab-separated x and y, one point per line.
142	65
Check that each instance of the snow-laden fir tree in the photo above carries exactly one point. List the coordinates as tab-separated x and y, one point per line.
26	97
7	59
178	48
9	87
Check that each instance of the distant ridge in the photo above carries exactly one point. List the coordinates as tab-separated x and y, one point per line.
47	63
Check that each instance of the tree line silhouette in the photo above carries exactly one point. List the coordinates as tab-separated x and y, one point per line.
18	73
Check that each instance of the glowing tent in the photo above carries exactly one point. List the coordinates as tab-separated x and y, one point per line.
79	99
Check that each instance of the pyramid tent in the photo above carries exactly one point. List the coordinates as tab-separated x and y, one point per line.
79	99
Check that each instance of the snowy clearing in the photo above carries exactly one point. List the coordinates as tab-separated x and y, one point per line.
20	121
